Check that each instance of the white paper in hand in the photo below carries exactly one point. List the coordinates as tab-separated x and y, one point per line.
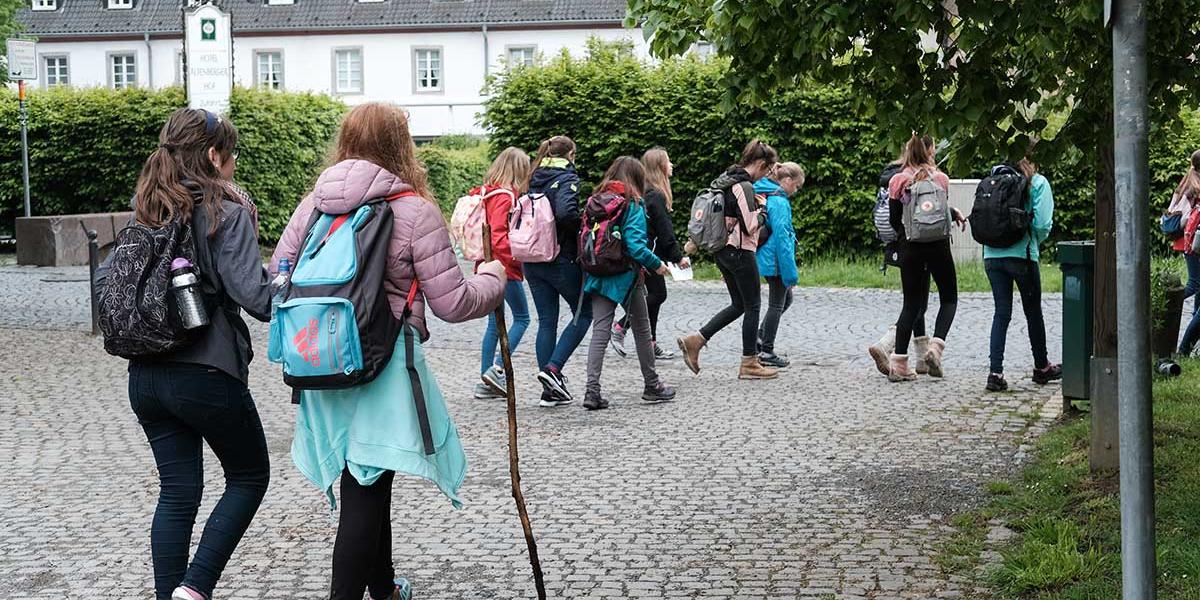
678	274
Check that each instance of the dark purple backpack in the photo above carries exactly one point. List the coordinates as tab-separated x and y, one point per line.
601	243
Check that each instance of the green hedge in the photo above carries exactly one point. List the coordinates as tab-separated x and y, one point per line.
87	146
613	104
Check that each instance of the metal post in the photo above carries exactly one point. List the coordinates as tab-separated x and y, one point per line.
1133	278
23	118
93	265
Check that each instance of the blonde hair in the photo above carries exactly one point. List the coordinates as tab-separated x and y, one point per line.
1189	186
378	133
510	170
918	155
792	170
657	162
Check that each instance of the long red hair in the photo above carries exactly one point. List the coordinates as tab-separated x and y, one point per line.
378	133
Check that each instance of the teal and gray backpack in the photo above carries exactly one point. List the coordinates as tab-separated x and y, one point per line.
335	328
927	214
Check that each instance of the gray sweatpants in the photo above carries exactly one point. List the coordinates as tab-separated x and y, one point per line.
603	312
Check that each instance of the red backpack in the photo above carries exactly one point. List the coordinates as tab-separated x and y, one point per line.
601	243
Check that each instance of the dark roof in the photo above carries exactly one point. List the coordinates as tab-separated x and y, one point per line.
156	17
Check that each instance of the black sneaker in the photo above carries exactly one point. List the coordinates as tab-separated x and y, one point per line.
555	383
1050	373
661	353
771	359
592	402
996	382
662	393
552	400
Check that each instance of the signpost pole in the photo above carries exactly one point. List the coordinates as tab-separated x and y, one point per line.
23	117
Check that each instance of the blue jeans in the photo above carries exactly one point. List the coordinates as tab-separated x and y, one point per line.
514	296
180	407
1002	274
547	283
1192	332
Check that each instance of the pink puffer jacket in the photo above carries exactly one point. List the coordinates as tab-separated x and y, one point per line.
420	245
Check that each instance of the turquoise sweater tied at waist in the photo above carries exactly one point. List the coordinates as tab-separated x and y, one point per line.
1041	203
373	428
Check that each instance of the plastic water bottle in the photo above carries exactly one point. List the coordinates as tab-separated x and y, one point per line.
279	285
184	289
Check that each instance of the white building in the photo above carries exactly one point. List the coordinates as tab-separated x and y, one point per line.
430	56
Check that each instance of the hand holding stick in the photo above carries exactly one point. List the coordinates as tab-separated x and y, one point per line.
514	471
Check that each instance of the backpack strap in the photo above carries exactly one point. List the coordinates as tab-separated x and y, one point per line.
414	376
741	219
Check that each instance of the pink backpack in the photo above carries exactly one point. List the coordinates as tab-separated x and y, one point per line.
466	224
531	230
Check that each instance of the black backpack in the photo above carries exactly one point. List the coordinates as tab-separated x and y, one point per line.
1000	216
137	312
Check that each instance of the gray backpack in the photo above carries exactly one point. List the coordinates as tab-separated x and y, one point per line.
706	225
927	214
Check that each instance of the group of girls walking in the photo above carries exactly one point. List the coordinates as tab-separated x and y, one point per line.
921	261
363	435
1184	203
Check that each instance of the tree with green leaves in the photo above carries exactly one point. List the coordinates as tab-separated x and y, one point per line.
990	75
8	27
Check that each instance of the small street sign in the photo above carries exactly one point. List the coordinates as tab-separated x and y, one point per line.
22	60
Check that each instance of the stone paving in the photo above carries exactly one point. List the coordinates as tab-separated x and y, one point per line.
827	483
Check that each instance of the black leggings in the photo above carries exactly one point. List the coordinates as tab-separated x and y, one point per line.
656	295
919	261
740	270
362	553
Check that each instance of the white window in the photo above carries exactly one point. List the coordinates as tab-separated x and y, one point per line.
57	71
348	71
268	69
521	56
122	70
120	4
427	69
45	4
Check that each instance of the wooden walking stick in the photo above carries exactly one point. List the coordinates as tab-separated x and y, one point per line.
514	470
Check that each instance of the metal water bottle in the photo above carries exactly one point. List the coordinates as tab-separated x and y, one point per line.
185	289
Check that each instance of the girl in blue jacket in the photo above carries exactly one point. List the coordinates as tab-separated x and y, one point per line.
626	177
777	257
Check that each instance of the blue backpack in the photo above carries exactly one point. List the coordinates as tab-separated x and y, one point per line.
335	328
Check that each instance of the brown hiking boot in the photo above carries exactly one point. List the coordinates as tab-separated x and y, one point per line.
689	346
752	369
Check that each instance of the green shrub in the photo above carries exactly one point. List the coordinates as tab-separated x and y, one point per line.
88	145
453	170
611	104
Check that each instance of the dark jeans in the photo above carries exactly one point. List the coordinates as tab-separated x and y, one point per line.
547	283
656	295
779	299
1002	273
362	553
1191	334
180	406
918	262
740	271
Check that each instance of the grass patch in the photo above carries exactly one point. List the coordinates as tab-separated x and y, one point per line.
1067	520
837	272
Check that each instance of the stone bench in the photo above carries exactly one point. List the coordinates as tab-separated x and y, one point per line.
59	241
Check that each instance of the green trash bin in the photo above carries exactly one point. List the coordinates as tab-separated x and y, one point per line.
1076	260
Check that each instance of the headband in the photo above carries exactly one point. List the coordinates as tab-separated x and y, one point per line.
210	122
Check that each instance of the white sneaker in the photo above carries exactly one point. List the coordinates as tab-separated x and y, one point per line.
182	593
494	379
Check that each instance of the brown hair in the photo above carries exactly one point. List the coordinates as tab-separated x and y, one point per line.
792	170
918	154
180	165
378	133
629	171
559	146
757	150
1189	186
510	170
656	161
